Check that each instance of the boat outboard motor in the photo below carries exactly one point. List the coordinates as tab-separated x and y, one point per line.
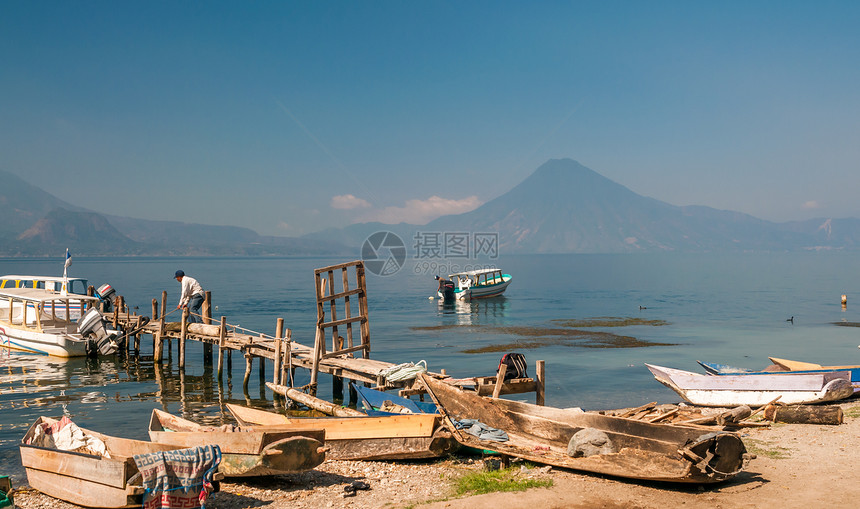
106	294
446	288
91	326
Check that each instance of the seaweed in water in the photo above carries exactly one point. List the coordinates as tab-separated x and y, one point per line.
536	337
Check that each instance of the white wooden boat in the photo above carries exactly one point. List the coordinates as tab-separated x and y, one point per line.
30	321
755	390
473	284
74	286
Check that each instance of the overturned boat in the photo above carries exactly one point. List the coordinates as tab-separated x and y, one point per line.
570	438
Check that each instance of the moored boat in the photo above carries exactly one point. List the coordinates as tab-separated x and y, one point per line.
382	437
473	284
779	367
245	452
593	442
109	479
72	286
30	322
755	390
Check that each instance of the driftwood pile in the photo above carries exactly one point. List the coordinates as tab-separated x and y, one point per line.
733	418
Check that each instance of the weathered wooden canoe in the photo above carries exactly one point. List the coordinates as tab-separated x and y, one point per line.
755	390
87	479
245	452
627	447
388	437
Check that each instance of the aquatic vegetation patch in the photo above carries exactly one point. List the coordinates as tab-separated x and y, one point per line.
609	321
566	335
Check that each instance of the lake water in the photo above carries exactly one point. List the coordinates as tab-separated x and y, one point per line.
722	308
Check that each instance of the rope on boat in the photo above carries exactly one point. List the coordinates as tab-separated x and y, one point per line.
405	371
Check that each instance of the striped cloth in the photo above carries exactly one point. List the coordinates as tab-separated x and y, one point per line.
179	479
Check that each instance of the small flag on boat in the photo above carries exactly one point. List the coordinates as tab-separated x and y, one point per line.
68	259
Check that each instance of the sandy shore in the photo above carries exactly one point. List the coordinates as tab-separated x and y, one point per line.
797	465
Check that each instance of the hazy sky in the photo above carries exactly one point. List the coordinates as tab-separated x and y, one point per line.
288	117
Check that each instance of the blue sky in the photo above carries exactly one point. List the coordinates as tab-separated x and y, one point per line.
289	117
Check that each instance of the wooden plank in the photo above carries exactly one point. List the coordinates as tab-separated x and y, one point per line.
79	491
342	321
312	402
341	295
86	467
338	266
341	428
344	351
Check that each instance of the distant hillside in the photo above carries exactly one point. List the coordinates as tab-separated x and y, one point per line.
81	232
37	223
564	207
22	204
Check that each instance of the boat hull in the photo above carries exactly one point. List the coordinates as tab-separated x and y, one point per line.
754	390
28	340
640	450
723	370
390	437
246	452
85	479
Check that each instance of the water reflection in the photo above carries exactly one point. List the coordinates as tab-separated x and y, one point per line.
114	395
471	312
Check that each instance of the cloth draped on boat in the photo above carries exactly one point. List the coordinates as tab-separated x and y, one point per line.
179	479
65	435
481	430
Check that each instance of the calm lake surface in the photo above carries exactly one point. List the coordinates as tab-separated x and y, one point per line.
722	308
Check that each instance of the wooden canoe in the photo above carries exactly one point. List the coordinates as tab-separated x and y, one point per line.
388	437
245	452
633	449
87	479
755	390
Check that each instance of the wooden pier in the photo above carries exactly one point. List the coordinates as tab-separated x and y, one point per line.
341	297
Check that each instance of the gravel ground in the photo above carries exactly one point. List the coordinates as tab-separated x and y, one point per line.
390	485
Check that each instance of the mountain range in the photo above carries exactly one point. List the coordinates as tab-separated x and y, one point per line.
563	207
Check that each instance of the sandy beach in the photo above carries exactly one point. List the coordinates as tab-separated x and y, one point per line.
797	465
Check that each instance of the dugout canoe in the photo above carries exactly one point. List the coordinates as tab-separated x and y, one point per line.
384	437
245	452
593	442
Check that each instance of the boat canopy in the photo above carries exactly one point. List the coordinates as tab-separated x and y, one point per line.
472	273
39	295
77	285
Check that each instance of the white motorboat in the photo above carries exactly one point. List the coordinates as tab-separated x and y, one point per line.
473	284
35	320
70	285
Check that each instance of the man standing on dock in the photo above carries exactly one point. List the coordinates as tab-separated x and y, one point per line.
192	296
